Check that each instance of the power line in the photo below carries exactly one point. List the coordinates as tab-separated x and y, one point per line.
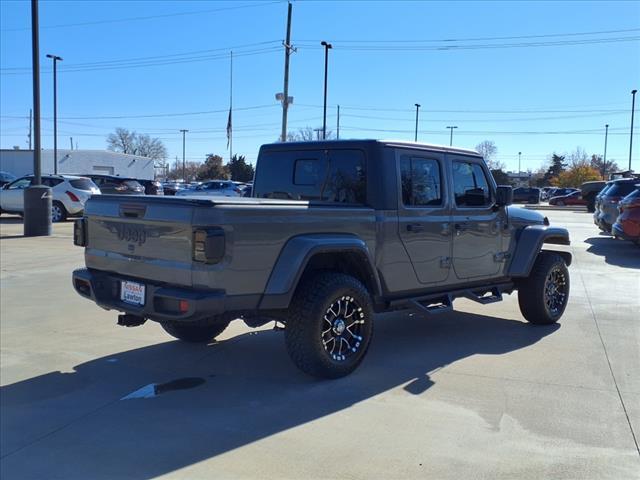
148	17
125	65
547	35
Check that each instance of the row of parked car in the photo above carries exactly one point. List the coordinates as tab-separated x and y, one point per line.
556	196
617	209
70	192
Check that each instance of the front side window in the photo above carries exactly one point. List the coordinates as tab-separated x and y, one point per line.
471	188
18	184
421	184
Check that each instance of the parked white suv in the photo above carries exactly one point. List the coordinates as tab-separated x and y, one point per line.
218	188
69	194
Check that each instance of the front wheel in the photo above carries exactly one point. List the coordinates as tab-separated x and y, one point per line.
543	296
195	333
560	203
330	325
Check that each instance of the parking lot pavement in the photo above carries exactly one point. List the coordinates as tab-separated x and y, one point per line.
477	393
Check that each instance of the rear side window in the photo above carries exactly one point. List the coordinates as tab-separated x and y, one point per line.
132	184
421	184
333	176
82	184
51	182
621	189
471	188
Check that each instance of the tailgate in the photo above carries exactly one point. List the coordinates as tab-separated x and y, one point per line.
142	237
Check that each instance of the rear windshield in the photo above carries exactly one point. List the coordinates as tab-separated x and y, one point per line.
83	184
621	189
332	176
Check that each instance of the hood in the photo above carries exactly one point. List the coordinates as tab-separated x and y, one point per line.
524	216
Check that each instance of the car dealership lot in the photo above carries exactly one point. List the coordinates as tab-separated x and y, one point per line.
477	393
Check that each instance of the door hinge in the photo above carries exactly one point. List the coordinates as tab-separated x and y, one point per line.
445	262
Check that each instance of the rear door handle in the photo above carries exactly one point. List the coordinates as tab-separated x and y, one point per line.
415	227
460	227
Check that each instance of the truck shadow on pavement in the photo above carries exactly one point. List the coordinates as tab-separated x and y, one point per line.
75	425
621	253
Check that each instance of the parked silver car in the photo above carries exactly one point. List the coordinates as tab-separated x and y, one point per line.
218	188
69	194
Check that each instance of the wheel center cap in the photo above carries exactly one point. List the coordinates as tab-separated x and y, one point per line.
339	326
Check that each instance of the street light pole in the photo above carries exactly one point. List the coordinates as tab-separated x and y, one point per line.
184	178
519	168
55	59
451	136
415	137
326	46
633	107
604	161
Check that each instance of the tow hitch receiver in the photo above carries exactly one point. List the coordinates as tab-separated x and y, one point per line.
127	320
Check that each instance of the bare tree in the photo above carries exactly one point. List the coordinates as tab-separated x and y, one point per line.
488	150
133	143
122	141
308	134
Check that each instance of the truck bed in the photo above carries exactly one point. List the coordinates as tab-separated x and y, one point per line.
150	238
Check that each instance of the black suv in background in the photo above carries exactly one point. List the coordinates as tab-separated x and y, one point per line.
526	195
112	184
152	187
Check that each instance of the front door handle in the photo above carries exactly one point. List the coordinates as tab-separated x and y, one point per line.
415	227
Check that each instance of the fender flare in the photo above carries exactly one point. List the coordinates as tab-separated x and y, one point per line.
530	242
295	256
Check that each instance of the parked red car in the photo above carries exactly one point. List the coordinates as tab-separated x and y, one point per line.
627	225
574	198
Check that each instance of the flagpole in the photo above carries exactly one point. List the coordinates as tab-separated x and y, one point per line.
231	107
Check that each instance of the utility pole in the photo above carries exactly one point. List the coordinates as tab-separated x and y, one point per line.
55	59
71	141
451	135
230	121
604	162
30	119
317	130
338	129
184	165
415	137
633	107
287	52
326	46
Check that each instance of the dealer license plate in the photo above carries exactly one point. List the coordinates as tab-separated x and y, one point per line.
132	292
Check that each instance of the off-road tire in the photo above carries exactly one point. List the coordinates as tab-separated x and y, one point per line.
532	294
195	333
63	212
307	323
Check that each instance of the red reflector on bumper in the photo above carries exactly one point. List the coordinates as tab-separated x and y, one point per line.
184	306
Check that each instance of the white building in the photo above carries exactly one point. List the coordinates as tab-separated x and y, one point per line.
20	162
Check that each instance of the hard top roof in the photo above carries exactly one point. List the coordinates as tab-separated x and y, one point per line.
369	143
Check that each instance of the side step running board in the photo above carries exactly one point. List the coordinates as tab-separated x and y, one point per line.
434	305
493	296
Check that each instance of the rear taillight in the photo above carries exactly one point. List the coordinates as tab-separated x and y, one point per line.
208	245
80	232
72	196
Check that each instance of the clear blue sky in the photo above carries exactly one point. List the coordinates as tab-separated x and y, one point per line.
155	64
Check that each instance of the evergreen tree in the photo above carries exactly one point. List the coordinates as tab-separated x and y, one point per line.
240	170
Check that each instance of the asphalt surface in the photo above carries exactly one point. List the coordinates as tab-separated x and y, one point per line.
477	393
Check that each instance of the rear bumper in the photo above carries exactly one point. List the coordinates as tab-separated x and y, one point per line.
618	231
162	302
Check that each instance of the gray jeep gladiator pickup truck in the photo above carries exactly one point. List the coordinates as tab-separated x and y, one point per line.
335	232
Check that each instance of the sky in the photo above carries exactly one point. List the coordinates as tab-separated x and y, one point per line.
533	77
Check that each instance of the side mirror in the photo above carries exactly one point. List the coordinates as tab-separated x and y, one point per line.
504	195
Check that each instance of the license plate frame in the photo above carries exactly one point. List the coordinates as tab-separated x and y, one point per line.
132	293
